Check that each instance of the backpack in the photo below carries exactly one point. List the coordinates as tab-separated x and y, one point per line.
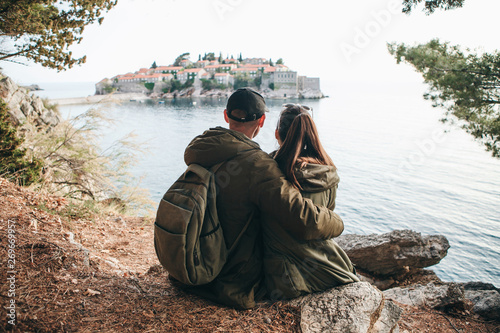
188	237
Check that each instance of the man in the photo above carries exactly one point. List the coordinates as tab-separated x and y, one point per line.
250	184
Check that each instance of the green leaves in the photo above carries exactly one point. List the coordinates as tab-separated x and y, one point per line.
43	30
431	5
465	84
14	164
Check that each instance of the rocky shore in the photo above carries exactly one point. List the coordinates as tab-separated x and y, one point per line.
391	266
22	104
186	93
267	93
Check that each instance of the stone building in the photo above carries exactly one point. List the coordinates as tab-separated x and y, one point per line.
308	83
284	83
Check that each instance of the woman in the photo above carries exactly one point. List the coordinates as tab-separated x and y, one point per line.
292	267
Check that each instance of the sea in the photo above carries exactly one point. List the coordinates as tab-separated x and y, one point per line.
400	167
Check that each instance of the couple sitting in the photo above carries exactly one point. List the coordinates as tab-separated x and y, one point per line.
287	248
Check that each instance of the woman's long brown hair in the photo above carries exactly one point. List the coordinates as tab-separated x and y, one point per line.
300	142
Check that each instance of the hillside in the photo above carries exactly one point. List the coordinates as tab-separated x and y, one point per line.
79	272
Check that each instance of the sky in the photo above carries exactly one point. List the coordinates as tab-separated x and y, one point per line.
338	41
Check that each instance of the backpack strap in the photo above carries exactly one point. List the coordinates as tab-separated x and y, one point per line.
241	234
214	169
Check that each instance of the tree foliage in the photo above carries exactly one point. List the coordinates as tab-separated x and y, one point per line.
209	56
431	5
178	60
464	83
243	80
212	84
42	30
14	163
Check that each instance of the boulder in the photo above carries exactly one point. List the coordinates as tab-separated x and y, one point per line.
33	87
22	105
395	252
356	307
445	296
485	299
310	93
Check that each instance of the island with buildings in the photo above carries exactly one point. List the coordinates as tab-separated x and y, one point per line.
213	76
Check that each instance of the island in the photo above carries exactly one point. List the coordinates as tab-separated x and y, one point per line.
213	76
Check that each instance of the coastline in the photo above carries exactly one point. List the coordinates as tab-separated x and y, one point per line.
97	99
129	96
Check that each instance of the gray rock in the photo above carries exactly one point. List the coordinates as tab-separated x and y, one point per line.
479	286
32	87
486	303
356	307
22	105
309	93
389	317
393	253
435	296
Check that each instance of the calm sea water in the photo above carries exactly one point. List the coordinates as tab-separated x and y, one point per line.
400	167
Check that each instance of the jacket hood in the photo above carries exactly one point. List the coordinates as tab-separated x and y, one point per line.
316	177
217	145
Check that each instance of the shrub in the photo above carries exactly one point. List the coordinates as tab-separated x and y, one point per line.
14	164
76	167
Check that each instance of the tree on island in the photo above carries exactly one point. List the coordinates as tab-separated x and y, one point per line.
42	30
279	61
464	83
179	59
154	65
210	56
243	80
431	5
149	85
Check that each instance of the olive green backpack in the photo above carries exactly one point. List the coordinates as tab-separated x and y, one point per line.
188	237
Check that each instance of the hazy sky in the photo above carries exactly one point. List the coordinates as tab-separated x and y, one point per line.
334	40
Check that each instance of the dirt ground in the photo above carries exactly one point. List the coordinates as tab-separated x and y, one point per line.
100	274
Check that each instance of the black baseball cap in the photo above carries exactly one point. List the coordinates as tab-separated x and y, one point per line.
249	101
